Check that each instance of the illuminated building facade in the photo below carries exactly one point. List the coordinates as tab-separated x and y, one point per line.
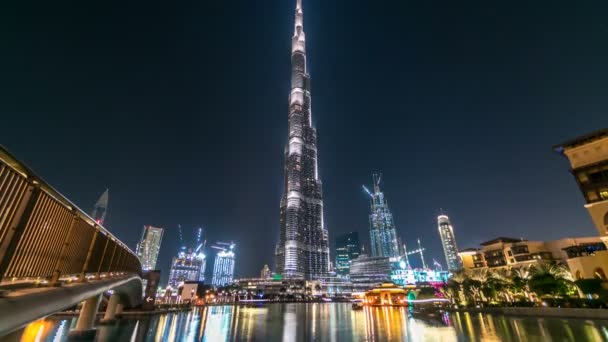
450	249
588	157
101	208
403	275
149	246
382	232
369	271
504	252
223	269
303	249
347	249
187	266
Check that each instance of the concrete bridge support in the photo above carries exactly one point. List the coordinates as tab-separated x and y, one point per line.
86	319
111	309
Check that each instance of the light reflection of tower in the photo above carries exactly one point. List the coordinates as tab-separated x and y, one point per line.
101	208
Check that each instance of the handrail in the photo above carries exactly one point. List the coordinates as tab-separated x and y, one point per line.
11	161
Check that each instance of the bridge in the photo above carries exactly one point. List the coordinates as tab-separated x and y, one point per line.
54	256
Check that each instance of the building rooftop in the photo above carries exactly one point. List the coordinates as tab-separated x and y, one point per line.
468	250
501	239
584	139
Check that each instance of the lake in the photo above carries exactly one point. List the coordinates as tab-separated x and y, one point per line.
329	322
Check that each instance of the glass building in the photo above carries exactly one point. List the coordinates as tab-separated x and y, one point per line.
446	232
347	249
149	246
382	232
302	250
223	269
187	266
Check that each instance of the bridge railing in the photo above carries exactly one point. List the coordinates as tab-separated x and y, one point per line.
45	236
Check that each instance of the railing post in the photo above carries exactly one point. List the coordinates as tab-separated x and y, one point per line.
66	242
103	258
89	253
9	244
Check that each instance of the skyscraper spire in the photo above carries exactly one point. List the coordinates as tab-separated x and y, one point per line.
303	249
101	208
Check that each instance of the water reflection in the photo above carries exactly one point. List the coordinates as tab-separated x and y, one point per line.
327	322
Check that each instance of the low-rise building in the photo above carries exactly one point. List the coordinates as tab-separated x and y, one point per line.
367	271
509	252
588	157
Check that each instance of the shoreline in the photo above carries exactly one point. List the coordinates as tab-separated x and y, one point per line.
581	313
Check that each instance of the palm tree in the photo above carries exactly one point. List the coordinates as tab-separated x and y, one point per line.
521	278
459	277
501	283
481	275
552	279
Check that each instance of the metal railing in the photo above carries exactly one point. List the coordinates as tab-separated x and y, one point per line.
45	236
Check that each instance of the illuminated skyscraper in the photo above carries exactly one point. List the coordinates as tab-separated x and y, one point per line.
303	248
149	246
446	232
347	249
223	269
101	208
189	265
382	233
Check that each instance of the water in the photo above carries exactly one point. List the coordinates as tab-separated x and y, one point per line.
329	322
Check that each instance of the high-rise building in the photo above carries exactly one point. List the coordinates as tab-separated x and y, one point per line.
265	273
101	208
446	232
382	232
223	269
347	249
149	246
189	265
303	248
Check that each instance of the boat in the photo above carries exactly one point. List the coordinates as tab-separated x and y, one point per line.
358	306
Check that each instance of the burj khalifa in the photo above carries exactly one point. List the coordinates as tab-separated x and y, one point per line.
303	249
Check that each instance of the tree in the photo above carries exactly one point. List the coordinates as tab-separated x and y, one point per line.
551	280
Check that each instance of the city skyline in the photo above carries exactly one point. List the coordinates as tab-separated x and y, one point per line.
434	95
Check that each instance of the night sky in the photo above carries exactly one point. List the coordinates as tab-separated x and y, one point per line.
180	108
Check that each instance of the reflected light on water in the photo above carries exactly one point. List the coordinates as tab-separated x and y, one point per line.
327	322
217	325
289	326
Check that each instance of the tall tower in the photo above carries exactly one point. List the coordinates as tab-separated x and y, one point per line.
382	233
446	232
101	208
303	249
149	246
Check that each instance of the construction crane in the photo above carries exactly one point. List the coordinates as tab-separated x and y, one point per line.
367	191
419	250
223	246
201	245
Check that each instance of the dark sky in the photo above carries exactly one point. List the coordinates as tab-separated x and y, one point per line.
180	108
